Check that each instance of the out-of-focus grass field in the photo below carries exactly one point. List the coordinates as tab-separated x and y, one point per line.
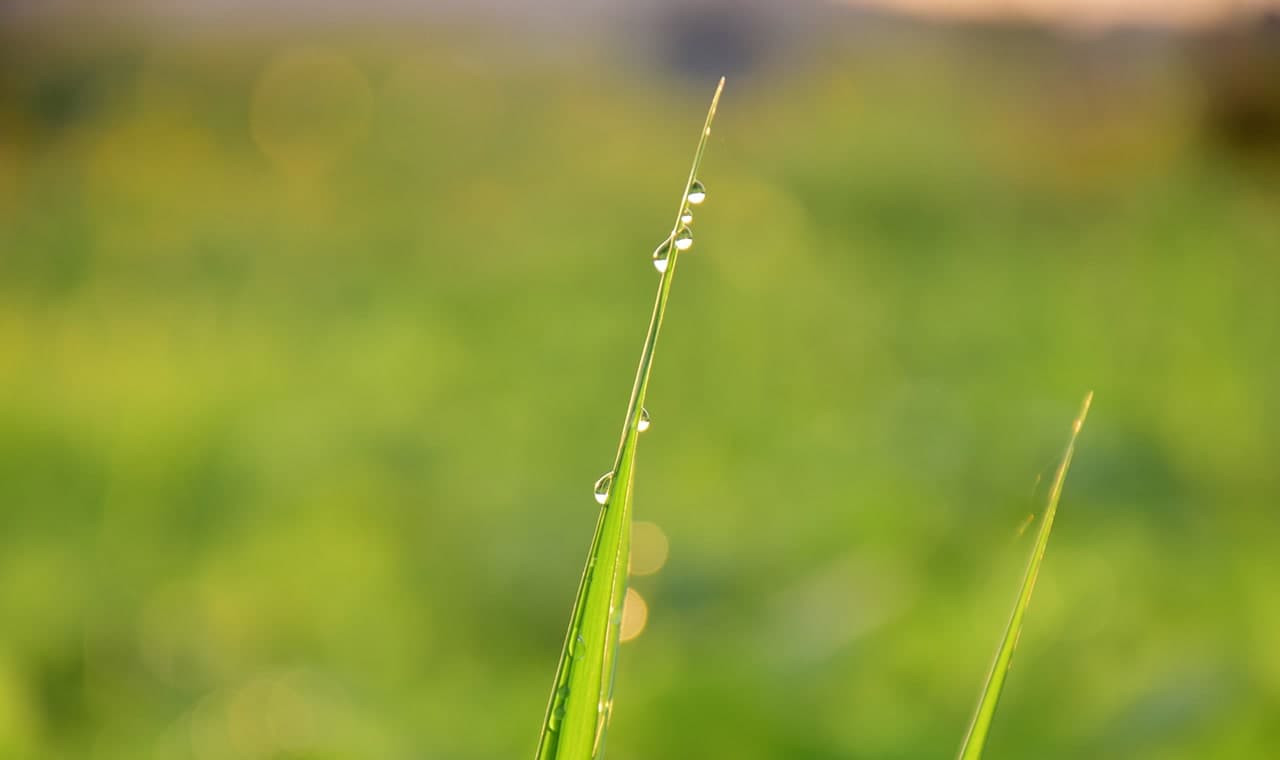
310	353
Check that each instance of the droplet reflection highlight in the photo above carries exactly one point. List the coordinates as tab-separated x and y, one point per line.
684	239
697	192
662	255
602	488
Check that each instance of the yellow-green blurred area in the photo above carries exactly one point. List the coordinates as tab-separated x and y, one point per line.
312	343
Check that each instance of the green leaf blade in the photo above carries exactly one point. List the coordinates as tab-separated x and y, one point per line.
581	700
976	738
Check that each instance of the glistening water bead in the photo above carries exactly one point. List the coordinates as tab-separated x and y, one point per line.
558	708
661	254
684	239
643	424
602	487
697	192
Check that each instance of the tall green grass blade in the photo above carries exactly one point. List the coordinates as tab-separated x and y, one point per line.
582	695
976	739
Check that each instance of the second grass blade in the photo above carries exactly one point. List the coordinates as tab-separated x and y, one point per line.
976	739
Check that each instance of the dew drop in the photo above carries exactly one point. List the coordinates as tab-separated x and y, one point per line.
604	713
602	487
643	424
686	216
558	708
684	239
661	254
697	192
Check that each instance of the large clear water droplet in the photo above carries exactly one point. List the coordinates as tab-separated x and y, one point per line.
643	424
686	216
661	254
697	192
684	239
602	487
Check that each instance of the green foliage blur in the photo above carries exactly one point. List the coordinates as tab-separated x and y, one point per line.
311	349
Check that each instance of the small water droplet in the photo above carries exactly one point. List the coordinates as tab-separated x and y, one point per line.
643	424
602	487
558	708
661	254
604	713
684	239
697	192
686	216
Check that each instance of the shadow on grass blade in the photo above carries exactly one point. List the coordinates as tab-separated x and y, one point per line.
582	695
976	739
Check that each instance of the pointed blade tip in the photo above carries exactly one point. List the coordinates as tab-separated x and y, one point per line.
1084	412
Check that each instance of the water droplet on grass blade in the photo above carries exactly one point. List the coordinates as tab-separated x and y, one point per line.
605	715
602	487
643	424
684	239
661	255
686	216
697	192
558	708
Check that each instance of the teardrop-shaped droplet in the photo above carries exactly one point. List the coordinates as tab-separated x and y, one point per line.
602	487
697	192
643	424
558	708
684	239
686	216
604	713
661	254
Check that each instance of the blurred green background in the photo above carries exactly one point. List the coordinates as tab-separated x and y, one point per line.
313	340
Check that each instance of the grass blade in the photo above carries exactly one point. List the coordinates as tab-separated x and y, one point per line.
976	738
582	695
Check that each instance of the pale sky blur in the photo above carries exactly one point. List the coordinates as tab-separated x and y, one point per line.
1087	12
1070	12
